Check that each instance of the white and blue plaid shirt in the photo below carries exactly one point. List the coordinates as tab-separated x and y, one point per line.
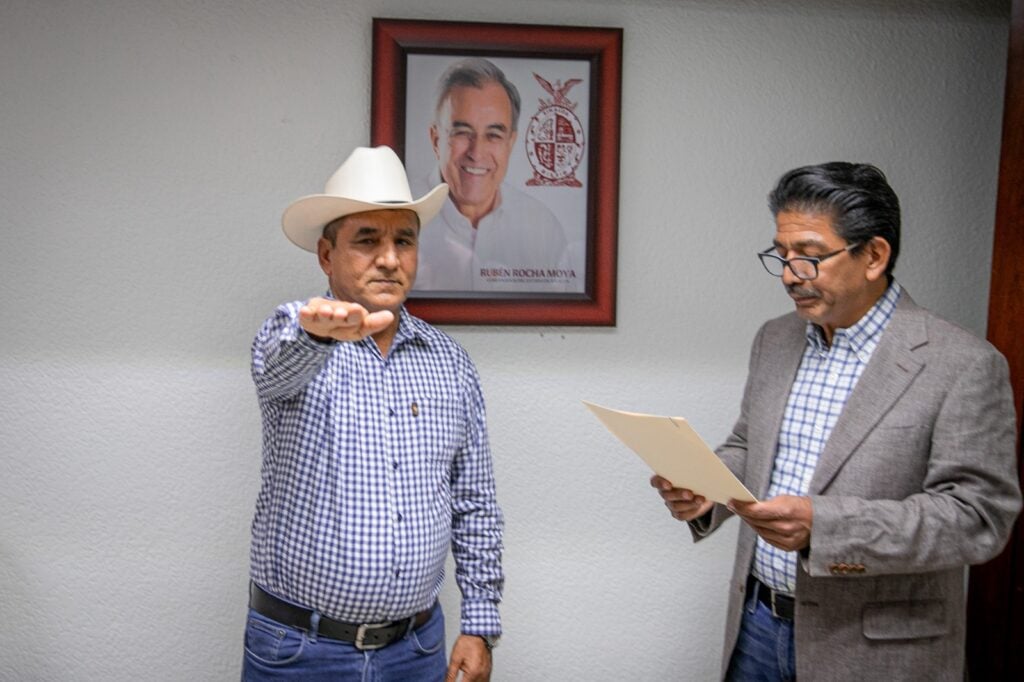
372	468
824	381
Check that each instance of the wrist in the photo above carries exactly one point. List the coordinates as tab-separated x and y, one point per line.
490	641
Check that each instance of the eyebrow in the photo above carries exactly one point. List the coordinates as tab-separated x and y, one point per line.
366	230
371	231
802	244
490	126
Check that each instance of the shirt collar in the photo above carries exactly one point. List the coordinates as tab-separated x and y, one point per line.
410	329
863	335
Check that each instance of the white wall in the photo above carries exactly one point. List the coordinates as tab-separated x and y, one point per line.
147	151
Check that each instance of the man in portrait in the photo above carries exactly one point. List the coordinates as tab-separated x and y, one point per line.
489	235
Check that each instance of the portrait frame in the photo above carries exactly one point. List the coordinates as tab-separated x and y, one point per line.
397	41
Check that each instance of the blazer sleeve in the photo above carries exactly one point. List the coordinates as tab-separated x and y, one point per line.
961	508
733	452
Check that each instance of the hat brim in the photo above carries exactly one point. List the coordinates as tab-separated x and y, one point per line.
304	220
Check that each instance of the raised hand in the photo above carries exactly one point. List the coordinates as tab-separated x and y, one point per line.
324	318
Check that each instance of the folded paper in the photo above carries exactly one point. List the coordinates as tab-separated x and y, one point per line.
671	447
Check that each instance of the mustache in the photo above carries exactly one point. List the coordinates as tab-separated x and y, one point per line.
803	290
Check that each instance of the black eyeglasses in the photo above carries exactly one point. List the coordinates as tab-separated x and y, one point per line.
804	267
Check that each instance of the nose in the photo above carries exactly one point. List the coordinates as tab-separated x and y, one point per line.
788	277
387	257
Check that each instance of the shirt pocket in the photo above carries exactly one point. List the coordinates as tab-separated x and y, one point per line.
435	427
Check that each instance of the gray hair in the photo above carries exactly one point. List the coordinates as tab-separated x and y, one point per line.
475	72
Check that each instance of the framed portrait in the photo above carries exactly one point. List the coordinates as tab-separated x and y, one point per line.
522	123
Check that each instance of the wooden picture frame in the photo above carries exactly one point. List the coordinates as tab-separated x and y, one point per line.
565	157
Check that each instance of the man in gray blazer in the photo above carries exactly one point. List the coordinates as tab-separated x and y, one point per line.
881	441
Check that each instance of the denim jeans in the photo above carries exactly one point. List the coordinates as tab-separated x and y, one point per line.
274	651
764	650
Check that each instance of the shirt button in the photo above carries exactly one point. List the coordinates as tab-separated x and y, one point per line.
391	412
398	516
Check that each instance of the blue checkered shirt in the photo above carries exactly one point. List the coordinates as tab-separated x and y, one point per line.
372	468
824	381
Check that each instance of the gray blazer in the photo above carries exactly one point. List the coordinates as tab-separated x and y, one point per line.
917	481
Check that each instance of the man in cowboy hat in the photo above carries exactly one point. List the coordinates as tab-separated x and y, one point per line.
375	457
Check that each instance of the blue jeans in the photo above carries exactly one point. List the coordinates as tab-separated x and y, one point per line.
764	649
274	651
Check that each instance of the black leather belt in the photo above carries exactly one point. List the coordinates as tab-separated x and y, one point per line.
781	605
364	636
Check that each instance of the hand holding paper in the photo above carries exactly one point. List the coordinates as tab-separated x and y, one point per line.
682	503
675	452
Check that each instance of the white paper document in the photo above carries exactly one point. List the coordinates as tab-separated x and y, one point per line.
674	451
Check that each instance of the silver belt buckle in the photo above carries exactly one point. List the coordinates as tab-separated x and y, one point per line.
361	635
774	610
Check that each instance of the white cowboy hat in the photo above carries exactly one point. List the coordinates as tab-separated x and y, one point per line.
369	180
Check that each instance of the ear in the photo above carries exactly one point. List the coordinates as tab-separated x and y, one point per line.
323	252
877	251
434	138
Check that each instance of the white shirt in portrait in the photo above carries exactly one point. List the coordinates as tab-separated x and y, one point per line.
520	246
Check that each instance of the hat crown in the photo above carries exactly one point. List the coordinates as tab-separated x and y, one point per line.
371	179
373	175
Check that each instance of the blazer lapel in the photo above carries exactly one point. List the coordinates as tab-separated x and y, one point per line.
891	370
783	352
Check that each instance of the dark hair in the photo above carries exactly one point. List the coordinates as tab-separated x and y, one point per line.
475	72
856	196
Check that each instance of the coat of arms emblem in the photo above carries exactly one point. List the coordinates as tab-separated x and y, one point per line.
554	138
